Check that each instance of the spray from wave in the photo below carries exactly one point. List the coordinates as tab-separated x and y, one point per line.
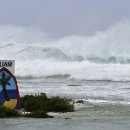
99	57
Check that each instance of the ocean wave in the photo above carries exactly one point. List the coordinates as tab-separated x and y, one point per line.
99	57
54	76
107	102
57	54
110	46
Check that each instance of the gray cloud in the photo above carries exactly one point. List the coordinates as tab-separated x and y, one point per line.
60	18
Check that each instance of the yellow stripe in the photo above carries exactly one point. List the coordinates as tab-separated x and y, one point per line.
11	104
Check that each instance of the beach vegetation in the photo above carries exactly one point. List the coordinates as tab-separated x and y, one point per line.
37	106
7	112
43	103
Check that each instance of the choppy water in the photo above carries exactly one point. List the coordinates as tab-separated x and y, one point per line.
91	118
106	105
93	68
111	92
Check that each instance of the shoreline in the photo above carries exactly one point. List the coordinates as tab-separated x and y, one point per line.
38	106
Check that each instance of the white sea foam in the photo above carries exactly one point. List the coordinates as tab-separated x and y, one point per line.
104	56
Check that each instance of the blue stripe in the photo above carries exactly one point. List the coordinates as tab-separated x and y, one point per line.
11	96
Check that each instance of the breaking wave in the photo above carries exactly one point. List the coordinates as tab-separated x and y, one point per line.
98	57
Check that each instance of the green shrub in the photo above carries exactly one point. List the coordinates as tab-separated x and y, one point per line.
43	103
7	112
57	104
33	103
2	112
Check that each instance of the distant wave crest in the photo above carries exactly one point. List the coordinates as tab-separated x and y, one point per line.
99	57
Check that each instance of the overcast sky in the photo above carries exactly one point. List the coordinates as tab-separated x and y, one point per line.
60	18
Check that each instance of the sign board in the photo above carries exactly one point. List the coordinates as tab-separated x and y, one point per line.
9	64
9	93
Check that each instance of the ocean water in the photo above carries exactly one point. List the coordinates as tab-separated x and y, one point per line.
95	69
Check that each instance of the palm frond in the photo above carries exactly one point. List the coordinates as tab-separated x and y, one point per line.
5	80
3	75
8	78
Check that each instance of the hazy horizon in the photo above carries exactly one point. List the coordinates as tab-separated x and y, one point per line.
62	18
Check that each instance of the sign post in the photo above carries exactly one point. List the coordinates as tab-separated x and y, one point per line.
9	93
